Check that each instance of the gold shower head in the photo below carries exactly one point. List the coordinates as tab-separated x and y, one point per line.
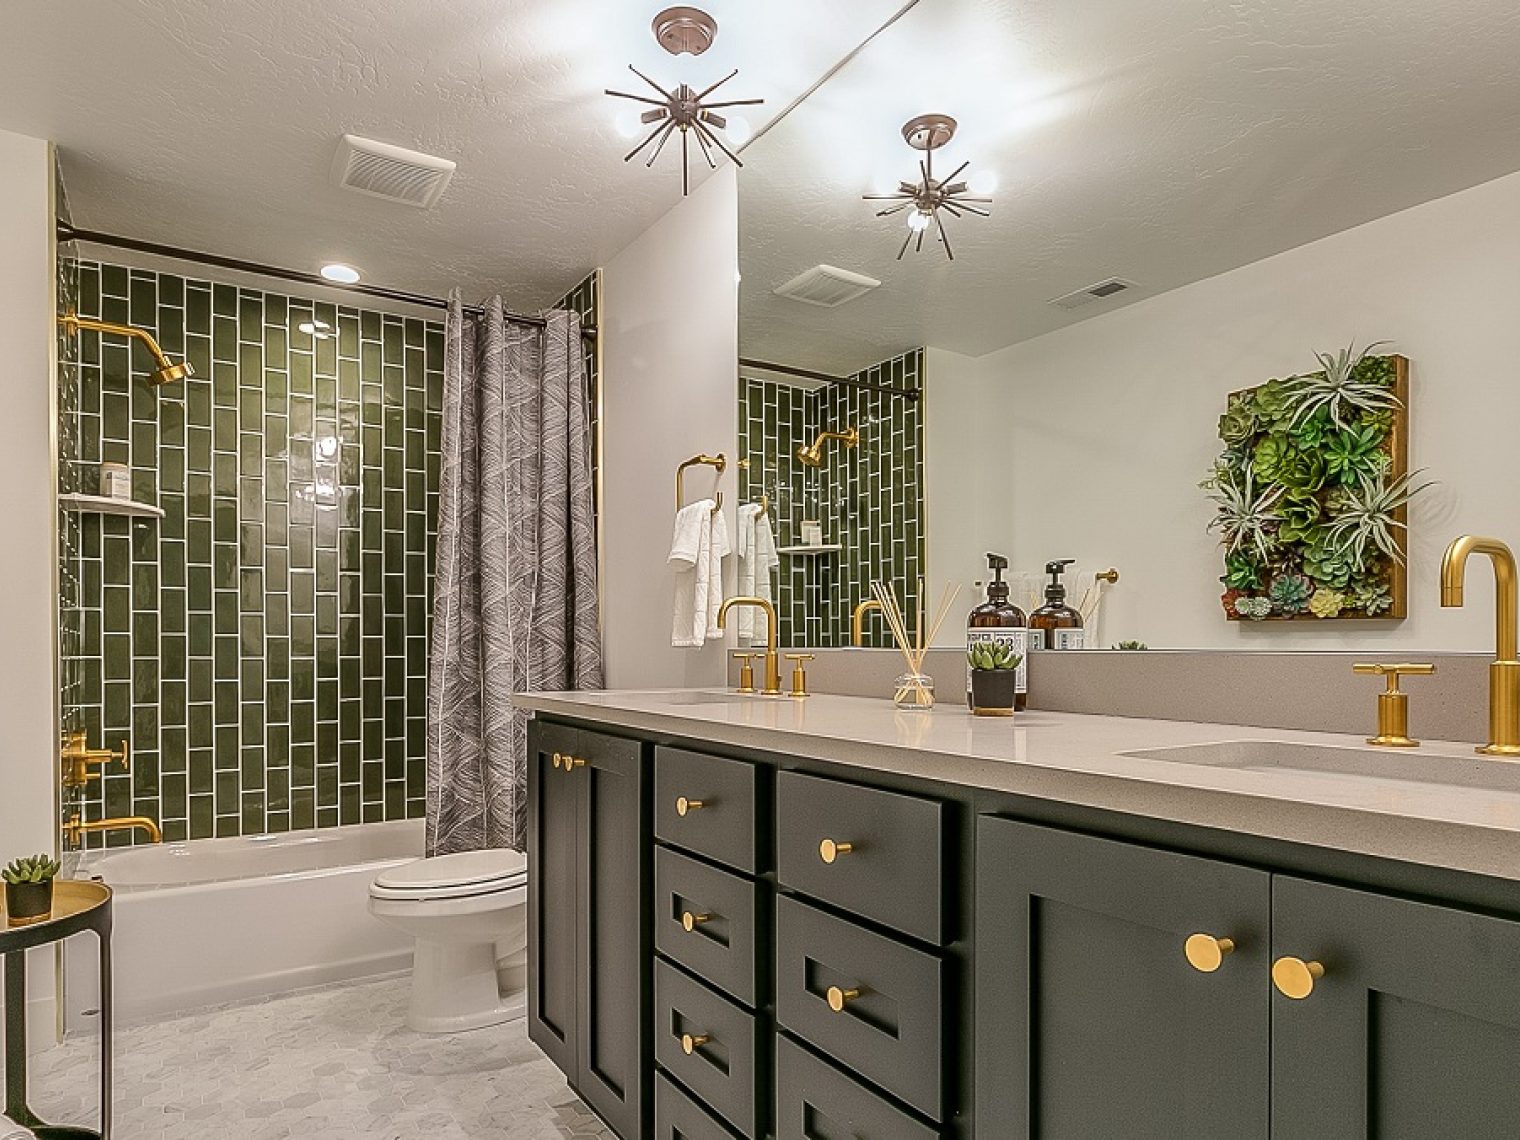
166	372
812	456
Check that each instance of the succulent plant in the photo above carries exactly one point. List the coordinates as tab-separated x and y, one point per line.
1132	645
1310	433
1353	452
1253	609
1238	423
987	656
1277	459
1328	564
1228	600
1364	516
1343	388
1241	572
1301	516
1371	596
1246	520
1273	402
1327	603
1290	593
35	869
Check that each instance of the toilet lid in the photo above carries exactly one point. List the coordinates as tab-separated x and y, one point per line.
467	872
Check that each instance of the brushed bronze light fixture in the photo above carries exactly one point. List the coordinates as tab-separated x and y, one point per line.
681	31
924	199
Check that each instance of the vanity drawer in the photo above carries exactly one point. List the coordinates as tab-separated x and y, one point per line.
706	804
815	1101
887	851
719	908
892	1030
724	1070
678	1117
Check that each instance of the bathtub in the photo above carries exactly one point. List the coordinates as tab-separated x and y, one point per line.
219	920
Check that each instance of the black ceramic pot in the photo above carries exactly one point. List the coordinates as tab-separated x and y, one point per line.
28	902
993	691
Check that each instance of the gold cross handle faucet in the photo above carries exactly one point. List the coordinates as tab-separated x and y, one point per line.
1393	704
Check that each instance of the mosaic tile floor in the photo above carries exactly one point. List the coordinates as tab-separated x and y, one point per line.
327	1064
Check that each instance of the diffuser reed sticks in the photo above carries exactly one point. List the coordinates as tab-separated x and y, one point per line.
914	688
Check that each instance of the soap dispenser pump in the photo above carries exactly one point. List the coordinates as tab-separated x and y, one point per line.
1055	625
999	620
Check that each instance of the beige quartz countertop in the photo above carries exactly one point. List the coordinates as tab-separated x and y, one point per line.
1440	805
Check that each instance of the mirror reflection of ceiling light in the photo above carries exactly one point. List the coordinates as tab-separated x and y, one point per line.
317	330
683	30
340	274
924	199
325	446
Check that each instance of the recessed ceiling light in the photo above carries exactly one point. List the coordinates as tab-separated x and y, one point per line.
340	273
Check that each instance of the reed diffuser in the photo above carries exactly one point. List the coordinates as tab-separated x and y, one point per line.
915	688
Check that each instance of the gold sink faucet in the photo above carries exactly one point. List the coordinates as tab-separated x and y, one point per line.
75	829
858	621
1504	672
772	634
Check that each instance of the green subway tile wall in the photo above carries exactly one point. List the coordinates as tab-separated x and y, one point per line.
869	499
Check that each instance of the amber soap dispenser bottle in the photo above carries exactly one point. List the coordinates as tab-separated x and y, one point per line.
997	619
1055	625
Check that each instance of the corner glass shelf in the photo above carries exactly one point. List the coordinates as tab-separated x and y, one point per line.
828	548
105	505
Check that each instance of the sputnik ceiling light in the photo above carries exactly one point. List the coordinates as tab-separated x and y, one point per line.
681	31
925	198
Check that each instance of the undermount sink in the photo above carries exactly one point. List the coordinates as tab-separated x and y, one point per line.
1405	767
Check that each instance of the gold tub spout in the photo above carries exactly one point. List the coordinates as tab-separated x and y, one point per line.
1504	672
858	621
76	829
773	632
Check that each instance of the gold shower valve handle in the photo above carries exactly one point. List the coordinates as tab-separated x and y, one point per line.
690	1043
685	807
1295	978
830	850
1205	953
838	998
1393	702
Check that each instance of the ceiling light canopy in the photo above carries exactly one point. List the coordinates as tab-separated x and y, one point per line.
923	200
686	31
340	274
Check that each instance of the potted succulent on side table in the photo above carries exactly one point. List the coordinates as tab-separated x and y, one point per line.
29	889
994	678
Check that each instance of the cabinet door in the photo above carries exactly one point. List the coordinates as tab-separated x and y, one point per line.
1090	1020
1413	1028
553	872
611	935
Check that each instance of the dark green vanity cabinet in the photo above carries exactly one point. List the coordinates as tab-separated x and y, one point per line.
588	1005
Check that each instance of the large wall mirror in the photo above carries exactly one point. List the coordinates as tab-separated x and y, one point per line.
1269	250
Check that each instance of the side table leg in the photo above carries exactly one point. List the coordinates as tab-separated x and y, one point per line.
15	1040
105	1033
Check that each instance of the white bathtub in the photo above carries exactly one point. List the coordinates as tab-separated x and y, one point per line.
219	920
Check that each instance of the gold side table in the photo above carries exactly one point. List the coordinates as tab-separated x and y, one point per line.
78	905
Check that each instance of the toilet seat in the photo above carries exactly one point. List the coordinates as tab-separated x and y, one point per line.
464	875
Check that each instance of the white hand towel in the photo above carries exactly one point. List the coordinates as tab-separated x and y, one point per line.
745	541
766	559
10	1130
688	553
718	549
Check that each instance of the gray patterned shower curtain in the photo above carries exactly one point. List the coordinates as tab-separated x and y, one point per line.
514	605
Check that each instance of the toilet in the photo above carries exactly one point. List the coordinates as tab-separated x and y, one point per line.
467	912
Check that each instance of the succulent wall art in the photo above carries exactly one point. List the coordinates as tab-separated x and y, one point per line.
1312	492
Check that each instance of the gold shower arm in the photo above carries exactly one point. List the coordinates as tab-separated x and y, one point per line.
167	371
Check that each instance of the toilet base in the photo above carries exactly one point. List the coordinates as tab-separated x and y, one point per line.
455	988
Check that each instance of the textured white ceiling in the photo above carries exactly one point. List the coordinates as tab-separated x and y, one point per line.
211	125
1160	142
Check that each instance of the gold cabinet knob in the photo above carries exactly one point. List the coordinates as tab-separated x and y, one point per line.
571	763
690	1043
1205	953
690	921
556	759
829	850
1295	978
685	806
837	998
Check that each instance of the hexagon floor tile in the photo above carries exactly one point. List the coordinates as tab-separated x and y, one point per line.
336	1063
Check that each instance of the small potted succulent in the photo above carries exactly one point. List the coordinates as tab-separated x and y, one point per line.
29	889
994	678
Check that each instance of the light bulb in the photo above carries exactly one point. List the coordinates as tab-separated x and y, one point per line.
983	183
918	220
739	130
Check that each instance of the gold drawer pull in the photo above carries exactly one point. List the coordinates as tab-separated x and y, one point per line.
829	850
684	805
689	1044
837	998
690	922
1295	978
572	763
1205	953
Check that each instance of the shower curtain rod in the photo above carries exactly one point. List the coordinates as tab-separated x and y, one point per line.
847	381
67	232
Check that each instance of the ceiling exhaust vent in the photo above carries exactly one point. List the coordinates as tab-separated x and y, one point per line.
390	172
1102	291
826	286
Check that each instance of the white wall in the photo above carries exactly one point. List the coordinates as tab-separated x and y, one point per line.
28	555
670	359
1109	424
